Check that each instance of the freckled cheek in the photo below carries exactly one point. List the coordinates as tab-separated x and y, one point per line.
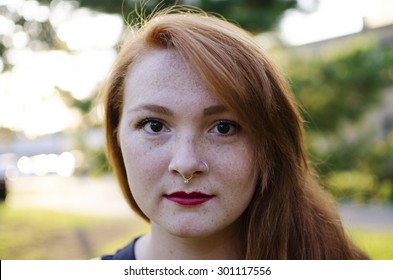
142	160
239	171
238	162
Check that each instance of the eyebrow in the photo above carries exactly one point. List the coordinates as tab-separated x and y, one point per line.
154	108
215	109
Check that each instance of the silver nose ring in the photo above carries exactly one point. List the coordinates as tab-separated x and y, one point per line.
186	180
205	164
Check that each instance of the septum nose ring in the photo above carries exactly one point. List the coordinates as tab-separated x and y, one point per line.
186	180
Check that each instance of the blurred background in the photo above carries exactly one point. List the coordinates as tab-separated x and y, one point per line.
58	199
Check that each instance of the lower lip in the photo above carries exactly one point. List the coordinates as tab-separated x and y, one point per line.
189	201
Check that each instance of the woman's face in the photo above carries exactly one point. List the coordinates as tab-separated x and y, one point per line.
172	126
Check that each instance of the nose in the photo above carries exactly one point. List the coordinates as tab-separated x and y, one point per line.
187	160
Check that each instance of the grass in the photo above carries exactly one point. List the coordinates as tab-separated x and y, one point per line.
40	234
378	244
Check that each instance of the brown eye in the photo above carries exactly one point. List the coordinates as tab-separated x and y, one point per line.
223	128
226	128
154	126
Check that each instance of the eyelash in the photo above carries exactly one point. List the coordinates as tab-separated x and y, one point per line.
142	123
235	126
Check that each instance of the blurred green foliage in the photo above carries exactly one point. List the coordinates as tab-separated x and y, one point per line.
343	87
337	92
357	186
253	15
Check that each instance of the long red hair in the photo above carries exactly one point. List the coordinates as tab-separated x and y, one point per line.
290	216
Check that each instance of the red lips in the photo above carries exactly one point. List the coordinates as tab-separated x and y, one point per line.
188	199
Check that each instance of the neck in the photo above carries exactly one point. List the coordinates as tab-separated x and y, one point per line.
159	244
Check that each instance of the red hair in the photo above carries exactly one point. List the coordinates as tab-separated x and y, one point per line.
290	216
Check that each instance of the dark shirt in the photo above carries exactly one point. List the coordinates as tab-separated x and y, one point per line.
126	253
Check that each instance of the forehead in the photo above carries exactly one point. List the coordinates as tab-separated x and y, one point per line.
164	74
155	62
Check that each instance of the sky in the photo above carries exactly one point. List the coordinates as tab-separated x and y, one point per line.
30	93
333	18
30	98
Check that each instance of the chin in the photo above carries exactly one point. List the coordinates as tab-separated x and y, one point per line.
190	232
195	230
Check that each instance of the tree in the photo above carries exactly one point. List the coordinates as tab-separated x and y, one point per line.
354	157
253	15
